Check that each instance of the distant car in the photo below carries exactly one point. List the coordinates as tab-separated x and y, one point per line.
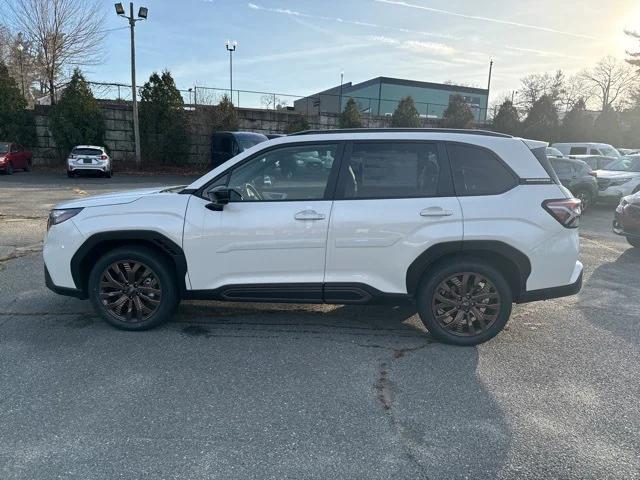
578	177
226	145
596	162
620	178
89	159
627	219
628	151
587	148
14	156
554	153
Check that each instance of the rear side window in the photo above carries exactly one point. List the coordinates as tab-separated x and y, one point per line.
541	155
393	170
578	151
563	169
477	171
87	151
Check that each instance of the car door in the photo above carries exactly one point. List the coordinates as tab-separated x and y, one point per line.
393	201
271	242
16	158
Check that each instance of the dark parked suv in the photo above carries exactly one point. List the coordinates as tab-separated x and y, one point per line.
578	177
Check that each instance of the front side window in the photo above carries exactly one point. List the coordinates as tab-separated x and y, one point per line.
286	173
578	151
392	170
476	171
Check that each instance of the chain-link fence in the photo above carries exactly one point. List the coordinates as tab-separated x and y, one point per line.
317	104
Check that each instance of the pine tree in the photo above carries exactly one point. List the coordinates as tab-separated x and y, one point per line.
457	114
507	119
226	115
14	121
542	121
298	124
577	126
76	119
350	117
606	128
163	132
406	115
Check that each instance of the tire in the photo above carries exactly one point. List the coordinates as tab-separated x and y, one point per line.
70	174
634	241
109	174
495	309
586	197
9	169
159	283
27	167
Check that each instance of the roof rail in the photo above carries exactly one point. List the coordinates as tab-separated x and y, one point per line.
405	130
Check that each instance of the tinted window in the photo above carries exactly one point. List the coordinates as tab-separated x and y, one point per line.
392	170
541	156
563	169
86	151
4	147
286	173
578	151
477	171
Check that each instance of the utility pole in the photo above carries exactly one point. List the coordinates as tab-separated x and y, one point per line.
341	80
231	47
142	15
486	111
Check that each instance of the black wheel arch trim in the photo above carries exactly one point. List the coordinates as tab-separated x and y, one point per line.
113	238
497	251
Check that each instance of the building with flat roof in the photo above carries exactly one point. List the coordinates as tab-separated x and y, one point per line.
380	96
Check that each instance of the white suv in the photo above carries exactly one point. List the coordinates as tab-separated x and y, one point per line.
89	158
461	223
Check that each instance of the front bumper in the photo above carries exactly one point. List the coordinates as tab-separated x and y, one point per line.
626	221
556	292
69	292
615	193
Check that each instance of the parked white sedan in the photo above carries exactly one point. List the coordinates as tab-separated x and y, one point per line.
89	159
620	178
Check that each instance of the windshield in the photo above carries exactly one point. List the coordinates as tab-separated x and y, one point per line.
609	151
4	147
248	141
625	164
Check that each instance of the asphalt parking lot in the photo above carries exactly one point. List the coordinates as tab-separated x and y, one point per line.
296	391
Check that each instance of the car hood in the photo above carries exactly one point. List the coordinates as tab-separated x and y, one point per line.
114	198
611	174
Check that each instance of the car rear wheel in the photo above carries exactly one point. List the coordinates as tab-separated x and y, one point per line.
133	288
9	169
27	167
464	302
70	174
634	241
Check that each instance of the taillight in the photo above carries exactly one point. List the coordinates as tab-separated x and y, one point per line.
592	173
567	211
103	157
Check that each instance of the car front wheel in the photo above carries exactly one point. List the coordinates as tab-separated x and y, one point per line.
464	302
585	197
133	288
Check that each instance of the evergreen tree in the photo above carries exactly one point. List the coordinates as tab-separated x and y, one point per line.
226	115
76	119
298	124
406	115
350	117
577	126
507	119
542	121
163	132
14	120
457	114
606	128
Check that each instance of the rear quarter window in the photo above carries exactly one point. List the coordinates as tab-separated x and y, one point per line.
478	171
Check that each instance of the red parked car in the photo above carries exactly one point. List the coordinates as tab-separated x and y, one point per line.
627	219
14	156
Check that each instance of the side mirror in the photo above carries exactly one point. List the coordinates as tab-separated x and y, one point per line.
220	196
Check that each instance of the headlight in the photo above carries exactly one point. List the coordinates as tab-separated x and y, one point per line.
59	216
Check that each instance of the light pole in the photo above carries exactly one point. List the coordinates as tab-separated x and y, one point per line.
142	15
341	80
231	47
20	48
488	88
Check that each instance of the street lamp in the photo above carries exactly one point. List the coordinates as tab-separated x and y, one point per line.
20	48
142	15
231	47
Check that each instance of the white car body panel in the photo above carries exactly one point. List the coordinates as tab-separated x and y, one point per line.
255	242
622	190
374	242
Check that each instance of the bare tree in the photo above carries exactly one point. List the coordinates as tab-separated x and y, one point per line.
536	85
63	32
271	101
611	81
575	89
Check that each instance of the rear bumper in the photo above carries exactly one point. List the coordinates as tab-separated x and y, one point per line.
555	292
88	168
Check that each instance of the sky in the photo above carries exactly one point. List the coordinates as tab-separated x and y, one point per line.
300	47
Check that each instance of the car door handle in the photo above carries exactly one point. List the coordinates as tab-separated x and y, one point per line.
309	215
436	212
